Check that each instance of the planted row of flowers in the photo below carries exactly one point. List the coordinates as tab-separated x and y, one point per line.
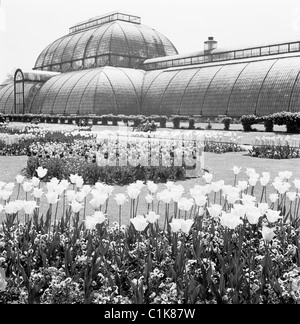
217	243
276	147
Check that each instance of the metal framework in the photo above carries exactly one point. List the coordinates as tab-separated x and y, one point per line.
219	56
19	97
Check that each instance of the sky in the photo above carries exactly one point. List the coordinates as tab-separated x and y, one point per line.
28	26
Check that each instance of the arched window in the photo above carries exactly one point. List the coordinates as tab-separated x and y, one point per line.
19	92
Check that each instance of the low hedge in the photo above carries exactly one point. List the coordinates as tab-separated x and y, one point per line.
289	119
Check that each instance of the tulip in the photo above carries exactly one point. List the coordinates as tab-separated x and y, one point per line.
41	172
152	217
37	193
52	197
250	171
268	233
99	217
214	210
285	175
9	186
35	181
12	208
79	182
80	196
264	181
233	198
273	197
29	207
51	186
230	220
86	189
133	192
236	170
216	186
273	216
100	197
292	195
175	225
120	199
297	184
59	189
149	199
200	200
166	196
248	199
253	181
263	207
5	194
73	178
139	184
152	187
185	204
54	181
186	225
70	194
139	222
170	185
207	177
20	179
242	185
90	223
65	184
253	215
240	210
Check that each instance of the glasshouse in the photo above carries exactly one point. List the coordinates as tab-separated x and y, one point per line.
113	64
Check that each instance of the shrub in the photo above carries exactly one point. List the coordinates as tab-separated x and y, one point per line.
247	122
192	123
227	121
163	121
268	123
176	122
104	120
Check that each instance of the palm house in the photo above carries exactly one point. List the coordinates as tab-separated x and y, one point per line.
113	64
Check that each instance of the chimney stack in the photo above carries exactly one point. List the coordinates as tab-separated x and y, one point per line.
210	45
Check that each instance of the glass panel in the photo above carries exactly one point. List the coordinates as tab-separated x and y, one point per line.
265	50
283	48
219	91
239	54
255	52
294	47
247	88
247	53
274	49
277	88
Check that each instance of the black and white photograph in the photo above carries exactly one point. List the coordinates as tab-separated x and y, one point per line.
149	155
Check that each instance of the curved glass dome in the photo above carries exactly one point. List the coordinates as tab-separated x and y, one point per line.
98	91
259	87
117	39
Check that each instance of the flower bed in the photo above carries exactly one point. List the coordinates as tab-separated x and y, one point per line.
216	244
277	147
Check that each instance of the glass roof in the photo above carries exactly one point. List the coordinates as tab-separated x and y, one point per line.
234	88
97	91
118	42
223	54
